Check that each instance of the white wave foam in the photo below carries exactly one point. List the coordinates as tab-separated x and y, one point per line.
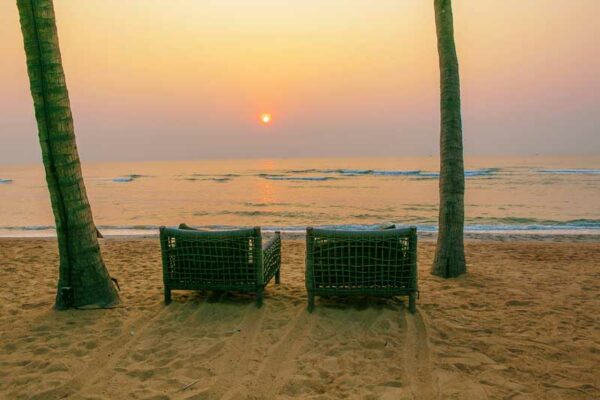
123	179
378	172
297	178
580	227
571	171
127	178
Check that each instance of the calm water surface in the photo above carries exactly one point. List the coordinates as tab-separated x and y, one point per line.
539	194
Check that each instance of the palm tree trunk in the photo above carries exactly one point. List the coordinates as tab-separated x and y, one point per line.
450	254
83	281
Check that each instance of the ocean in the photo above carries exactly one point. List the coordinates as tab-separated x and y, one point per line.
537	194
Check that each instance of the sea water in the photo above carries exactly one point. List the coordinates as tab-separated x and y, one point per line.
503	194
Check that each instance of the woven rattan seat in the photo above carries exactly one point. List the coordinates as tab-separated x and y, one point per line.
219	260
369	263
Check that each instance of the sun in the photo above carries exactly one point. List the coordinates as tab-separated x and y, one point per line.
265	118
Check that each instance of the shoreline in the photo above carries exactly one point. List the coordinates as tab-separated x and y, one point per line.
426	236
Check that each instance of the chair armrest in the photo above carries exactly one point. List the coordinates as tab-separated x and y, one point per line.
271	257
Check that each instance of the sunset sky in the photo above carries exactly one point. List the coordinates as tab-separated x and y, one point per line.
175	79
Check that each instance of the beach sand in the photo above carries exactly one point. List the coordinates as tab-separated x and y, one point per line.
523	324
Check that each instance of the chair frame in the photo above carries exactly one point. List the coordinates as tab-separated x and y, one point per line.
264	259
395	280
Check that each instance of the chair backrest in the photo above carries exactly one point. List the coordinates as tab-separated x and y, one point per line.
361	259
211	258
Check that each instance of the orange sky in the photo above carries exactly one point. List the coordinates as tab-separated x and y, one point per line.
168	79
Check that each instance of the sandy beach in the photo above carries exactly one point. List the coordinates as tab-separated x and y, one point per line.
523	324
119	118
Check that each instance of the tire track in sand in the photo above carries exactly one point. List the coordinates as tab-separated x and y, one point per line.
102	358
101	367
230	371
417	361
268	381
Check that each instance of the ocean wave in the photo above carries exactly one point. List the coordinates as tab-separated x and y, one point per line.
523	223
213	179
424	224
297	215
571	171
328	174
27	228
482	172
354	172
127	178
210	176
296	178
350	172
226	175
396	173
309	171
274	204
469	173
51	227
429	175
2	181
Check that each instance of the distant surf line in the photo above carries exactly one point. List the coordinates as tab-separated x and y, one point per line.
529	226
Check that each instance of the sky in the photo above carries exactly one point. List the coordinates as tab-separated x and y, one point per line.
184	79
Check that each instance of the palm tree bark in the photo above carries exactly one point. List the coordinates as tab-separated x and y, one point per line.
83	281
450	254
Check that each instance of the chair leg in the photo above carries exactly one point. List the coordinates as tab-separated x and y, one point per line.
412	302
278	276
311	302
167	296
259	297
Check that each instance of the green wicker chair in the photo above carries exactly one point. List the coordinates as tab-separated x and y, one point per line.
372	263
223	260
